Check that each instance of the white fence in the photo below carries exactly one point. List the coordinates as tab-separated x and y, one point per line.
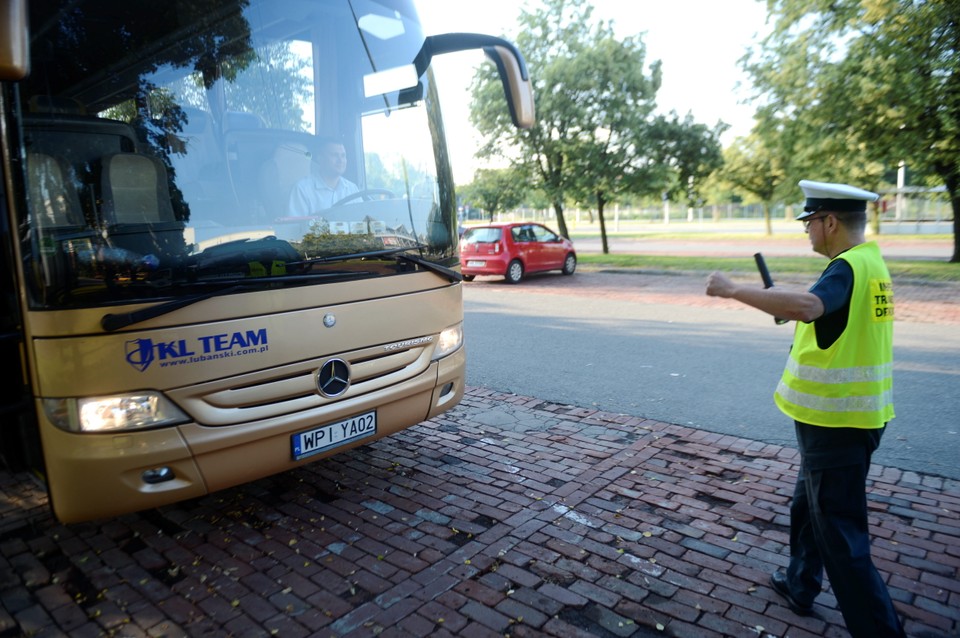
916	214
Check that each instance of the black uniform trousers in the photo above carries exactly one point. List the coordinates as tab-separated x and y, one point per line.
829	529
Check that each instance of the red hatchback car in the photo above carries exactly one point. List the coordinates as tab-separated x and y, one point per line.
513	250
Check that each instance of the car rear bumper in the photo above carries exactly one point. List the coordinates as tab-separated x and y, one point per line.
484	265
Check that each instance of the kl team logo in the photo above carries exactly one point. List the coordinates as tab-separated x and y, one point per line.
142	353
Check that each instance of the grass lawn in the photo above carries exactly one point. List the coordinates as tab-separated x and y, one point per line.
921	270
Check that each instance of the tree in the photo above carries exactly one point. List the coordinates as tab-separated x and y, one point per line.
868	84
751	167
496	189
610	148
692	150
592	97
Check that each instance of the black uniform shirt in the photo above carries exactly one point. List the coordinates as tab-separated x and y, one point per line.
834	288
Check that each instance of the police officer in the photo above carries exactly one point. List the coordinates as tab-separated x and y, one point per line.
837	387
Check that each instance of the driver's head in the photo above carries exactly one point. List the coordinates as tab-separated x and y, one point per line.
332	159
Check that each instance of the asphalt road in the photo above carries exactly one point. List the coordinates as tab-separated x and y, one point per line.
656	347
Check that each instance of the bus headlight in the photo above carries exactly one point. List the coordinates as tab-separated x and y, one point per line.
450	341
122	412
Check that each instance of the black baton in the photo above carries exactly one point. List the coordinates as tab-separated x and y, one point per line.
767	279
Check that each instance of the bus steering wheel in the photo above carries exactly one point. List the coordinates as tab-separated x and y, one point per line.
367	194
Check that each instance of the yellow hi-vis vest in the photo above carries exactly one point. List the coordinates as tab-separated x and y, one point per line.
850	384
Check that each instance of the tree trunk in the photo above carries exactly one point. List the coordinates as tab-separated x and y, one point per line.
956	230
767	222
561	222
603	223
953	188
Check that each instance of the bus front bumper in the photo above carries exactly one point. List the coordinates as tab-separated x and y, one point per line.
98	476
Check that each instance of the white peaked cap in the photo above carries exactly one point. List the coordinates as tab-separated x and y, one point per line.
835	198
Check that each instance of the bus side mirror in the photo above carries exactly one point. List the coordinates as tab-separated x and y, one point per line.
517	88
14	50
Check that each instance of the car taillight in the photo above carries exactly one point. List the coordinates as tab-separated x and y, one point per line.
496	248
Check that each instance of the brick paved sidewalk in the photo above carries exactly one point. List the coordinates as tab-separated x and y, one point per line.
505	516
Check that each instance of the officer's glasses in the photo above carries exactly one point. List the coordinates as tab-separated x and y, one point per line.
807	221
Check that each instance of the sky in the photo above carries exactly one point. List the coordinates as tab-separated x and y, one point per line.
698	41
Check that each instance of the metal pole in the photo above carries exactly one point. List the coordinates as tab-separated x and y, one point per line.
901	178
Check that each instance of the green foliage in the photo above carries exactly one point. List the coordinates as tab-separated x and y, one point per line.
691	149
494	190
853	87
273	86
219	44
268	82
752	167
320	242
596	138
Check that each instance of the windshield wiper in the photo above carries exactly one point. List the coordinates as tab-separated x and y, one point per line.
364	255
111	321
443	271
397	253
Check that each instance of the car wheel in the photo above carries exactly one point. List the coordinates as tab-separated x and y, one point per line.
468	277
514	272
569	264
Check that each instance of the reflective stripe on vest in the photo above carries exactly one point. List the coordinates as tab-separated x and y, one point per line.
863	374
878	377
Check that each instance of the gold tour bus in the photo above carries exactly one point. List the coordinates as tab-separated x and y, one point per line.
174	326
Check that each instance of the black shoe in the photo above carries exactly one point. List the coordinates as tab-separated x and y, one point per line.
779	582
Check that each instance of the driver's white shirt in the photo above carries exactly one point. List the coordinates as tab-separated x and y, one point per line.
311	195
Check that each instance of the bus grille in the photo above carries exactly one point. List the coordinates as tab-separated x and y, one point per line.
292	388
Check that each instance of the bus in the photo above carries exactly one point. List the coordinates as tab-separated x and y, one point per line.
173	324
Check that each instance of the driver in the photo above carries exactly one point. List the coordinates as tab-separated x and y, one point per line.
326	186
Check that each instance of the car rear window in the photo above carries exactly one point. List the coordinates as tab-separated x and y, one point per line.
482	235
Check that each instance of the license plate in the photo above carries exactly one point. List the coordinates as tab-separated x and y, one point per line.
333	434
475	264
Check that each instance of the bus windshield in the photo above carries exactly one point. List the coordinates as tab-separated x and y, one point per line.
194	147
